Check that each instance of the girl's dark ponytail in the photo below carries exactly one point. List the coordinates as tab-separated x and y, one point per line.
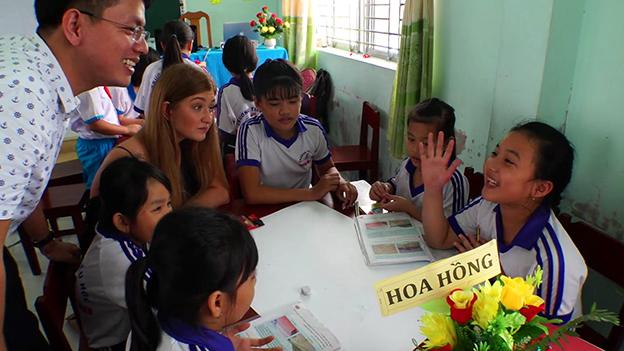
239	57
246	86
172	53
145	327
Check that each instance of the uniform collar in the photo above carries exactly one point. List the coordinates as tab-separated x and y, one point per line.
55	76
198	336
411	169
286	142
530	231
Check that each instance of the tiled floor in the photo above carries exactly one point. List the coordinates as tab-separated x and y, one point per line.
33	285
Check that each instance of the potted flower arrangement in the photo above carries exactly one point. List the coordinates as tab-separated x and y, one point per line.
269	26
501	316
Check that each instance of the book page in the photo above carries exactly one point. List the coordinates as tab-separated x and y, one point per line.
294	328
392	238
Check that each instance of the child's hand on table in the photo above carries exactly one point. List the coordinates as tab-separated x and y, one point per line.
467	242
396	203
378	191
327	182
248	344
347	194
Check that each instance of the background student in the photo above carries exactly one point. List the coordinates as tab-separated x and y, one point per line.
524	177
275	152
235	102
177	44
404	192
135	196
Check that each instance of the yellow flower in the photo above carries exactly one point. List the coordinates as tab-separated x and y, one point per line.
461	298
287	24
264	29
438	329
533	300
515	292
486	306
271	29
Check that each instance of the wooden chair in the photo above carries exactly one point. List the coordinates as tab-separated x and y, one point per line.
601	253
195	20
475	182
361	157
308	75
58	288
65	173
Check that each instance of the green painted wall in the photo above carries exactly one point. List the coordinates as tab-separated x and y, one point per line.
595	118
229	11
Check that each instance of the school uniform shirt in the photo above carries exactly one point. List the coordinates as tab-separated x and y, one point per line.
36	105
283	163
542	241
178	336
233	108
95	105
100	288
150	77
455	192
123	101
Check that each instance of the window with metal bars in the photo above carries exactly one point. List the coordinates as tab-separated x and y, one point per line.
370	27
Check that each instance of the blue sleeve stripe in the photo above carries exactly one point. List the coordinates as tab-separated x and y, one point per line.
538	256
560	268
549	271
254	163
93	119
323	160
137	109
119	112
455	225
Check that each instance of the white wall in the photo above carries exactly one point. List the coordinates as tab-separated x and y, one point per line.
20	19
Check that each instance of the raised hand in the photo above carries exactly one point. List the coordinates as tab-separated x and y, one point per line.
434	162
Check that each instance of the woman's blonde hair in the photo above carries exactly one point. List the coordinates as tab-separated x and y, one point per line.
203	159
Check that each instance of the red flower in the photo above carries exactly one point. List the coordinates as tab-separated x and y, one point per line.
446	347
259	14
252	23
265	8
273	15
461	315
279	21
261	20
530	311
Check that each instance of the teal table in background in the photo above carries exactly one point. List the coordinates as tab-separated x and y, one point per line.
214	62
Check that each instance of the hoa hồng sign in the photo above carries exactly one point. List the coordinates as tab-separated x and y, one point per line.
438	279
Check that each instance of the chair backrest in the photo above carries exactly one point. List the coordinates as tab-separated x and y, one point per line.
195	20
475	182
309	77
601	253
370	119
57	289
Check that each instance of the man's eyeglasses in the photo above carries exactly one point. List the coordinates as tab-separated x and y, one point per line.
138	32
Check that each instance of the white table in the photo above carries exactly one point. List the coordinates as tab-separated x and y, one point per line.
310	244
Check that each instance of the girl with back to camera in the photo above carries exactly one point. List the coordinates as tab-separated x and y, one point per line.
202	266
235	102
524	177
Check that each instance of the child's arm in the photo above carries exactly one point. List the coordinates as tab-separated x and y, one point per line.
103	127
346	192
256	193
435	173
396	203
125	121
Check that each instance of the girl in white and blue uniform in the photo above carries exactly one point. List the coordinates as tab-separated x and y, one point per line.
235	101
202	276
135	195
404	192
524	176
177	44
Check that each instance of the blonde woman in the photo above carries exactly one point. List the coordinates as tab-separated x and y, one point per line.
180	137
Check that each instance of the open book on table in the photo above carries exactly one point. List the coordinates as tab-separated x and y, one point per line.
389	238
294	328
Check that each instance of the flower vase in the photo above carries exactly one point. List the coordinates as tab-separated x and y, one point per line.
270	43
